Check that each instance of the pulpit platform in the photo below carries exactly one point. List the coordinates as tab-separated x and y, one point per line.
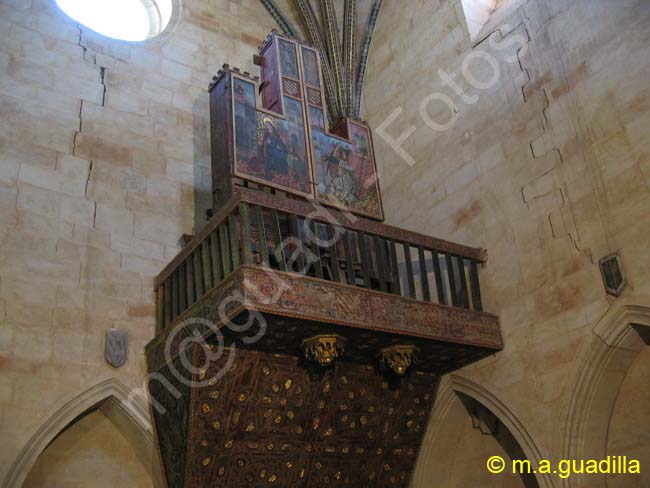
242	398
299	339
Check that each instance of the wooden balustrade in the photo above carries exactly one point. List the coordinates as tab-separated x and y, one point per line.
259	229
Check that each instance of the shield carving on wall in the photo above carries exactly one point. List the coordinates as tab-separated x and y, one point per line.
116	347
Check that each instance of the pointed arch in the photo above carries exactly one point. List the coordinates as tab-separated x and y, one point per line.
618	339
452	387
130	415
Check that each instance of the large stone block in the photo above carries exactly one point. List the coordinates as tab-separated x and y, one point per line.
32	340
38	200
77	210
161	229
92	148
54	181
127	102
83	234
128	244
145	266
180	171
112	219
74	253
176	71
8	171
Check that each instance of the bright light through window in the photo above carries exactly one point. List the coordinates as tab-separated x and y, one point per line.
128	20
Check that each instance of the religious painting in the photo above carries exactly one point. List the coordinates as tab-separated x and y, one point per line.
310	67
360	139
244	92
293	132
288	59
269	149
345	171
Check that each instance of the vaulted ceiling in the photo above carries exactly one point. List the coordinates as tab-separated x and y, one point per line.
342	31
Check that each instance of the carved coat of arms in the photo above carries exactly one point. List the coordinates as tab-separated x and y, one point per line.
117	342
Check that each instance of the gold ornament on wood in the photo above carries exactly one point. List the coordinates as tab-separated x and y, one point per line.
398	358
324	349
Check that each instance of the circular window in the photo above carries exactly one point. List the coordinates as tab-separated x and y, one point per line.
128	20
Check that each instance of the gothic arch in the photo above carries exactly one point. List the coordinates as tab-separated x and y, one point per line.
130	415
618	338
453	386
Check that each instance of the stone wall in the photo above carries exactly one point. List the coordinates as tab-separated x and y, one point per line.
76	453
541	155
104	163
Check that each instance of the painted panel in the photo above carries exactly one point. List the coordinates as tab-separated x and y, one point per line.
366	169
316	118
310	67
288	59
270	149
345	171
245	118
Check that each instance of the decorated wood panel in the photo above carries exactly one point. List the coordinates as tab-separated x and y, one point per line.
272	422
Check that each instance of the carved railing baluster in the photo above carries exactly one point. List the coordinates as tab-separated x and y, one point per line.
333	252
206	265
175	294
235	254
349	257
440	285
277	239
382	263
476	290
215	257
160	308
424	275
409	270
397	289
317	265
189	278
182	287
366	259
224	241
261	234
463	294
452	280
198	272
294	230
168	302
246	244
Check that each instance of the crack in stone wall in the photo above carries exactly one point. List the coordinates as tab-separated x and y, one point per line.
545	193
